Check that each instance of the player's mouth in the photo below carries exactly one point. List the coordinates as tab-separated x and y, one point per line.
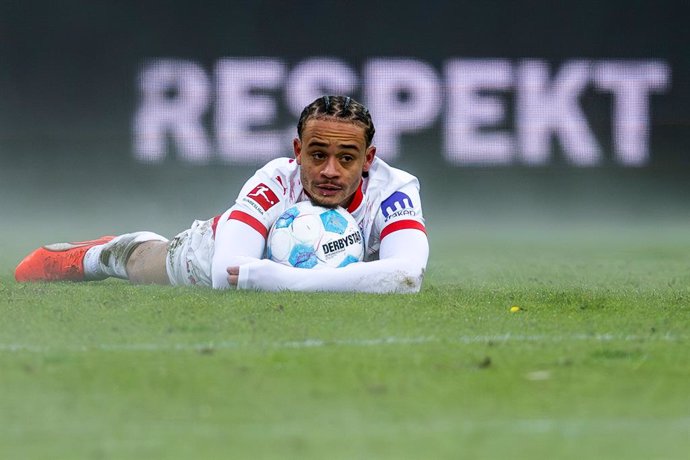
328	189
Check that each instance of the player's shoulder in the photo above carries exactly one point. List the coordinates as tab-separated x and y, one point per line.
283	166
394	199
384	177
281	174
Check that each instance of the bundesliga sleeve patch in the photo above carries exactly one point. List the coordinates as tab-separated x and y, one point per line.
397	205
261	198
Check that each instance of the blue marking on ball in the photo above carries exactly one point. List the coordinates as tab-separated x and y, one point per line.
348	260
303	256
333	222
286	218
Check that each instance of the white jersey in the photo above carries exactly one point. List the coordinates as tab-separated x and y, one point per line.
386	201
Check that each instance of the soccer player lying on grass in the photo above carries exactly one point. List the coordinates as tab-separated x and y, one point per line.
334	164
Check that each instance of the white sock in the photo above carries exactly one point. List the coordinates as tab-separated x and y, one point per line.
110	259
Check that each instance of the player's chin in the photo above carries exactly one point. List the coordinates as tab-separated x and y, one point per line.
326	202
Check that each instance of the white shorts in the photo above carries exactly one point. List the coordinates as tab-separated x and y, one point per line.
190	254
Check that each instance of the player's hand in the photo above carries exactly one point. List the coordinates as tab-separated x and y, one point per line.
233	275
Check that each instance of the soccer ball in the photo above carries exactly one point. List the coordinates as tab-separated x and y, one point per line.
310	236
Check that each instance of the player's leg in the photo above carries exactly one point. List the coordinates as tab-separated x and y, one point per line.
141	257
113	258
93	260
147	263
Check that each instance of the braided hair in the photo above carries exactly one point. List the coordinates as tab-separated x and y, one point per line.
342	108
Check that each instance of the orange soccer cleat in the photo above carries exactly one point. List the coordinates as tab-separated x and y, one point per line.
56	262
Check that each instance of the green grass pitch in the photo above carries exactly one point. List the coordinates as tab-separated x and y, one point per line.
596	364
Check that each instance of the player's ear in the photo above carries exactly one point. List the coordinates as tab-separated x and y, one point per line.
297	148
369	158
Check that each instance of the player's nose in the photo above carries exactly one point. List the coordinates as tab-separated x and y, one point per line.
330	168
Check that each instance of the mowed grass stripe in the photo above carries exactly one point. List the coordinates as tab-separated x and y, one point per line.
313	343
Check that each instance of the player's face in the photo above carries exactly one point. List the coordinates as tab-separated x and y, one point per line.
332	155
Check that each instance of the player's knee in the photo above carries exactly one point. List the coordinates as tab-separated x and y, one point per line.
146	264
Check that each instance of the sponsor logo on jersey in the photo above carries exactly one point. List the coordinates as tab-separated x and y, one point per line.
263	196
396	205
341	243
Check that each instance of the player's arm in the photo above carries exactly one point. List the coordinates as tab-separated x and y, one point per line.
403	255
238	241
403	258
240	233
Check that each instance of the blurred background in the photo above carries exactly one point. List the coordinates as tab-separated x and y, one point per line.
521	119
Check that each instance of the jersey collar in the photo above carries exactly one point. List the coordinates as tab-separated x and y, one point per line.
357	198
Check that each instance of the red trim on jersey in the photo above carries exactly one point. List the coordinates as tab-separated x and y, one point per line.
214	225
402	225
250	220
356	198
